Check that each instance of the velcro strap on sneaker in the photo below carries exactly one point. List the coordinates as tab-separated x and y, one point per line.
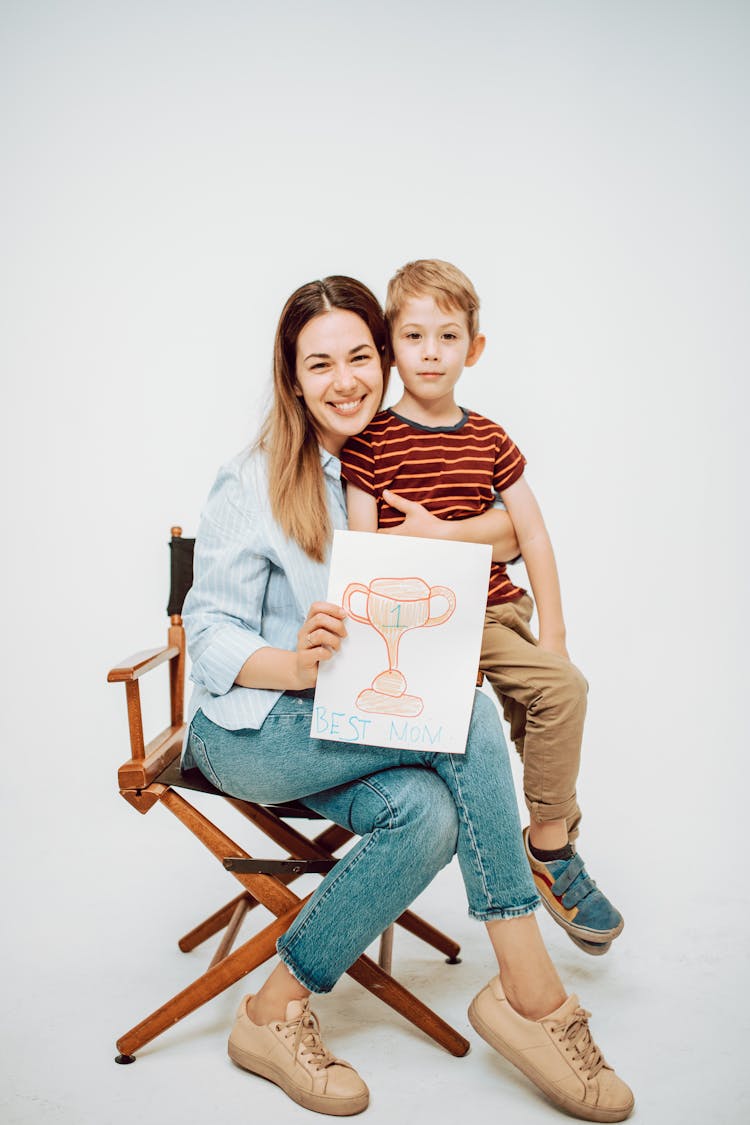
572	870
578	891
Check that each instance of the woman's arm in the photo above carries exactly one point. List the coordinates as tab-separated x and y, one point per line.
539	558
280	670
223	612
494	527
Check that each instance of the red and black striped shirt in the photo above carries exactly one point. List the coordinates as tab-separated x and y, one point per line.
455	471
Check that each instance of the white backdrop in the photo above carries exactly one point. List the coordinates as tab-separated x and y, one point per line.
171	171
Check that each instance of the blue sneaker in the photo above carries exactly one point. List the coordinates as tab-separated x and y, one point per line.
575	902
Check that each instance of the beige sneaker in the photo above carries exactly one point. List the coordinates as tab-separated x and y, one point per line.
292	1054
557	1053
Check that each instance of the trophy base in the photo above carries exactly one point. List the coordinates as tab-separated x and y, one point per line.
378	703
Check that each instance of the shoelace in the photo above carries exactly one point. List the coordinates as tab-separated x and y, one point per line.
576	1032
307	1039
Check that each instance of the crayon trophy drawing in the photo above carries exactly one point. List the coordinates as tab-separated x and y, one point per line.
406	672
393	606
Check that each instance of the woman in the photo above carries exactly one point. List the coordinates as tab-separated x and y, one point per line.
260	562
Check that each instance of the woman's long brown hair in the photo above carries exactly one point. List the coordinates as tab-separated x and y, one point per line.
288	436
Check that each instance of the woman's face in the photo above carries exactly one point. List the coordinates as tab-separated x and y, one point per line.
339	376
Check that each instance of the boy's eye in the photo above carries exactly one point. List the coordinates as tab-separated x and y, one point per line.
449	336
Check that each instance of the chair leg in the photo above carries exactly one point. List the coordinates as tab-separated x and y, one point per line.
230	934
385	953
227	972
428	933
375	980
206	929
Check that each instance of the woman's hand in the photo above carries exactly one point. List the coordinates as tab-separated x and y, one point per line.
318	639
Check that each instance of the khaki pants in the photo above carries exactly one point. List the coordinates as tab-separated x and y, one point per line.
544	701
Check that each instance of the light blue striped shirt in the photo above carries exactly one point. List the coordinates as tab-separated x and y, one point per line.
252	587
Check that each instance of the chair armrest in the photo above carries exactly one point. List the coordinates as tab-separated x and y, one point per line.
137	773
134	666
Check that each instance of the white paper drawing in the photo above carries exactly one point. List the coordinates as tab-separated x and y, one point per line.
405	675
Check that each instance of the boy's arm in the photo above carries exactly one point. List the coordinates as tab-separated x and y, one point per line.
494	527
362	509
539	558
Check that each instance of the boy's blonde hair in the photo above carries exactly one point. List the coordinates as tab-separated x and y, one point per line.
431	277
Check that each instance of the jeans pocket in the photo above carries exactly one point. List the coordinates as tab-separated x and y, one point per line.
201	758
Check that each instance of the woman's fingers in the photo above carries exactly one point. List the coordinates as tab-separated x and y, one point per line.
326	607
322	638
323	629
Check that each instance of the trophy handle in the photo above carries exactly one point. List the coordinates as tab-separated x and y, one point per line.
352	589
450	597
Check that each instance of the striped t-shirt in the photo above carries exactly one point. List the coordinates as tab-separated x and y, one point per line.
455	471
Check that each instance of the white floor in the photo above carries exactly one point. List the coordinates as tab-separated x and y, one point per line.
95	952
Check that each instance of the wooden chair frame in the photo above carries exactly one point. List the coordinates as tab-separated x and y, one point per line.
152	776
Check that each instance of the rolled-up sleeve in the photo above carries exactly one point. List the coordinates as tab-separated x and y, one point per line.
223	610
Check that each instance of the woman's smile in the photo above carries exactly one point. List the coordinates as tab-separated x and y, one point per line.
348	406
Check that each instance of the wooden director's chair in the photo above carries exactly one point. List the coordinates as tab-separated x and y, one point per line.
152	776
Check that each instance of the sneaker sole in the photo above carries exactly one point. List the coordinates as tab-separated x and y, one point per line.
519	1060
595	949
319	1103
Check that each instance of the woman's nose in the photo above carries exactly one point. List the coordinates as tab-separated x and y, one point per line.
344	379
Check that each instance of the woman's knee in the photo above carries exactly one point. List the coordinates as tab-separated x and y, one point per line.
413	802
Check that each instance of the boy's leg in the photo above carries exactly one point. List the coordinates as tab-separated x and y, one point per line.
544	700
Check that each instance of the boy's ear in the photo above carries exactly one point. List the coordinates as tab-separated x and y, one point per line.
475	349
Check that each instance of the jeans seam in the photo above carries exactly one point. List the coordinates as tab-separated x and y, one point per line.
214	777
470	830
339	875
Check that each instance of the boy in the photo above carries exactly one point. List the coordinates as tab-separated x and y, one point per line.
455	463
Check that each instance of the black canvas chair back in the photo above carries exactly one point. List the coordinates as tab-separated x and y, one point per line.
181	553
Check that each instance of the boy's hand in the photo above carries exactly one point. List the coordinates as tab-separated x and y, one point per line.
418	521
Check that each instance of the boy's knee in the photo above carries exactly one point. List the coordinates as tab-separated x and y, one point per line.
576	684
565	695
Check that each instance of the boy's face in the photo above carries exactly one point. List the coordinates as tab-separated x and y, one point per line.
431	347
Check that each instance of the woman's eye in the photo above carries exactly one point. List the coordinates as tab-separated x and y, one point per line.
360	358
412	335
449	336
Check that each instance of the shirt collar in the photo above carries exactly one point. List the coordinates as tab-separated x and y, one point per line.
330	464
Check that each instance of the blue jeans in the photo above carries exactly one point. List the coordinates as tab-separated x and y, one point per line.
412	811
